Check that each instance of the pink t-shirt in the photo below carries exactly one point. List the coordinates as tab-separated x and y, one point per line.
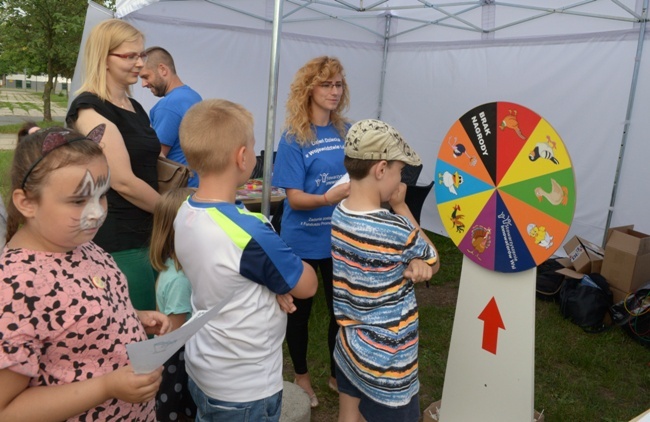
67	317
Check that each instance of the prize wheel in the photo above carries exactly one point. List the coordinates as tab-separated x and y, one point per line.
505	187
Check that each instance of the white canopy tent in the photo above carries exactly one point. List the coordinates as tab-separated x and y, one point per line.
420	65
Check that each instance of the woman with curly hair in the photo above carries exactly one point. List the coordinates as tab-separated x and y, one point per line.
309	162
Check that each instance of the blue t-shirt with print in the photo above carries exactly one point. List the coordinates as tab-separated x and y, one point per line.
166	118
312	169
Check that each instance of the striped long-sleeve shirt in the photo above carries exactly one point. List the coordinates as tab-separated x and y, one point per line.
377	345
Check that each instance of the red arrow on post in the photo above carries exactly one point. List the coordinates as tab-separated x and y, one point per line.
492	321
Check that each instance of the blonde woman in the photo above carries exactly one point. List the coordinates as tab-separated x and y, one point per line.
113	57
309	162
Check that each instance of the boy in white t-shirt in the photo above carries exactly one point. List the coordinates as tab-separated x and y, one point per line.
235	361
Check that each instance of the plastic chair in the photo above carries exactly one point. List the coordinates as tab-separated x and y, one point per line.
414	198
276	218
274	154
410	174
258	171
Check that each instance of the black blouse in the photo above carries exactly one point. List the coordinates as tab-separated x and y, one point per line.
126	226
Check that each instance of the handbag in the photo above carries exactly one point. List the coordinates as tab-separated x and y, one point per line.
171	175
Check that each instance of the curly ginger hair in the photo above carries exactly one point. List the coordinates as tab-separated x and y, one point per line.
298	120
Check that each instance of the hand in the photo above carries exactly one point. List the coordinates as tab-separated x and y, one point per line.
418	271
339	193
286	303
155	322
397	199
124	384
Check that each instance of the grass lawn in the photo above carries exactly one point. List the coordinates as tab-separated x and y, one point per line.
579	377
15	127
5	164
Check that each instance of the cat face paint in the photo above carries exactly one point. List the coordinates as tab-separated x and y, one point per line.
71	208
94	212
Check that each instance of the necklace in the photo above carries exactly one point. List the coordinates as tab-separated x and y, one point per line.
123	104
195	196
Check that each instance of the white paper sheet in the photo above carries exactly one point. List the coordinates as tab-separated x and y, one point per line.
146	356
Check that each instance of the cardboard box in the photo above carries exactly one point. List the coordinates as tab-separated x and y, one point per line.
618	294
586	257
627	258
431	414
568	269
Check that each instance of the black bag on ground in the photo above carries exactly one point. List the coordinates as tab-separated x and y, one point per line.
549	282
586	301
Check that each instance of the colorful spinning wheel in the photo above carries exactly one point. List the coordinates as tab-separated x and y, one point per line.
505	187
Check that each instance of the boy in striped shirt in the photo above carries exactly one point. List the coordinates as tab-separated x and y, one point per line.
378	256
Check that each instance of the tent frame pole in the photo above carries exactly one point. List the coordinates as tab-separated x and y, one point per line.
271	107
383	66
628	116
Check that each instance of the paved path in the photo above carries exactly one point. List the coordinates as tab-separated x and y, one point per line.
7	141
17	106
25	104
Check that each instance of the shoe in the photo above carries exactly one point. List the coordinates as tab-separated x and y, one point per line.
331	383
313	400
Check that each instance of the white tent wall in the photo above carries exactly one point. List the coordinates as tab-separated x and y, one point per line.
633	198
232	61
573	68
580	86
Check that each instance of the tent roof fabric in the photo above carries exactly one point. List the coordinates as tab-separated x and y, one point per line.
423	20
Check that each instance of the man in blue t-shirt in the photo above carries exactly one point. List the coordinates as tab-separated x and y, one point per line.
159	75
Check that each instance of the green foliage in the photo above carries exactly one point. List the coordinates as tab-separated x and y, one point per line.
42	37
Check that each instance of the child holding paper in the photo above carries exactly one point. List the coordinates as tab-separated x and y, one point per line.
65	312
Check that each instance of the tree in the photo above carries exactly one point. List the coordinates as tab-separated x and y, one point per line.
42	36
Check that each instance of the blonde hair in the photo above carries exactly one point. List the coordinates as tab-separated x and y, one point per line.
298	121
211	130
162	236
104	38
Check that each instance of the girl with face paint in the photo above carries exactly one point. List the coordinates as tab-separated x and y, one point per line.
65	312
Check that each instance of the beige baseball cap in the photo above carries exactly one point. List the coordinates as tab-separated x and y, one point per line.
372	139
